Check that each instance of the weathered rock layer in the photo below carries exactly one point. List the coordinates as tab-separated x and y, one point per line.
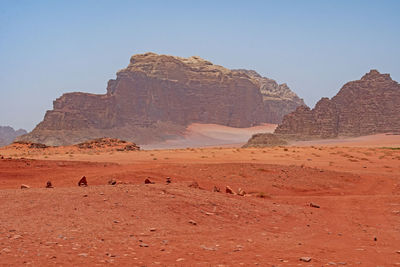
154	99
367	106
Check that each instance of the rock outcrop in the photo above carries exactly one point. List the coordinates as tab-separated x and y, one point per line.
154	99
105	143
8	134
278	99
367	106
265	140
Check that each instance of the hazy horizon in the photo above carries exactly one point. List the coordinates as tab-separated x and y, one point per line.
49	48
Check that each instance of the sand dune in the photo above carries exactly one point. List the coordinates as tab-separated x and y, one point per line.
203	135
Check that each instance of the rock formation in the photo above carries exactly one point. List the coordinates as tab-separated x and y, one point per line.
265	140
104	143
154	99
278	99
8	134
367	106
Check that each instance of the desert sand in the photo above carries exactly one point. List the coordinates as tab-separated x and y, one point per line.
206	135
311	204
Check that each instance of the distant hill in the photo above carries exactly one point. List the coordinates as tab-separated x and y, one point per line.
8	134
367	106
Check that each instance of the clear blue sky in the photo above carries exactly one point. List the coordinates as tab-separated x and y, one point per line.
48	48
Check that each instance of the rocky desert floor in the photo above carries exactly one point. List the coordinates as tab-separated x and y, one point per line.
328	204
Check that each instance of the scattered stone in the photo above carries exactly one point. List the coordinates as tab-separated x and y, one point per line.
83	181
143	245
17	236
305	259
229	190
398	252
83	254
238	248
180	259
49	185
112	182
241	192
111	255
168	180
375	238
312	205
115	221
216	189
207	248
152	229
147	181
194	184
24	186
193	222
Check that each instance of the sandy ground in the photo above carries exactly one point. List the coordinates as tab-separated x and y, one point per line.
132	224
205	135
377	140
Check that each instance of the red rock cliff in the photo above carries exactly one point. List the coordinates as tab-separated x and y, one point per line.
367	106
153	99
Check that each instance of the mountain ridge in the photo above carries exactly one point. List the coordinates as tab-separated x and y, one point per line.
367	106
8	134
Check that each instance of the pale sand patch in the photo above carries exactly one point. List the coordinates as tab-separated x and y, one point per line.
377	140
203	135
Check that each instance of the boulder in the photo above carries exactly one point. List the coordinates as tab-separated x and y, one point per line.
83	182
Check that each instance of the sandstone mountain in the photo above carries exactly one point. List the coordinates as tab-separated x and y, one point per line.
367	106
8	134
154	99
278	99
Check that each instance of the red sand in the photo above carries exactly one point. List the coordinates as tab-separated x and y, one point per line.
133	224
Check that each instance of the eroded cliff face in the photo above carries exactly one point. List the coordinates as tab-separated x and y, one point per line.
367	106
185	90
278	99
154	99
